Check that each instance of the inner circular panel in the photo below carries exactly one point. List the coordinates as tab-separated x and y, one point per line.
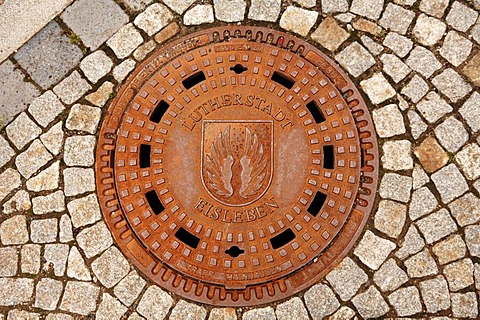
237	168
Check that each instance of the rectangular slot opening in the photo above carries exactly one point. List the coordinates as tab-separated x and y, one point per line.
315	111
328	157
154	202
194	79
145	150
187	238
317	204
282	239
159	111
283	80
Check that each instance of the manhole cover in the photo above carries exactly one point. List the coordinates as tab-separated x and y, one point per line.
237	166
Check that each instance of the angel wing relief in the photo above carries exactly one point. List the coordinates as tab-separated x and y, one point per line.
237	160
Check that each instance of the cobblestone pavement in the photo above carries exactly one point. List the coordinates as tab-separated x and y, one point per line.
417	63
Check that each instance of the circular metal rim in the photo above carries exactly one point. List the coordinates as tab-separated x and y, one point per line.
302	278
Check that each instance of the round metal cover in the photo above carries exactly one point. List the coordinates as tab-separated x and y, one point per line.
236	166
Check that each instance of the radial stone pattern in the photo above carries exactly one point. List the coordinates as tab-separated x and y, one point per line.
237	166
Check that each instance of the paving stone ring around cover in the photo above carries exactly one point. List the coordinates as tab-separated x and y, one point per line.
237	166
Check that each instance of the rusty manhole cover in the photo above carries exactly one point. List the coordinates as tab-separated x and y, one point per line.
237	166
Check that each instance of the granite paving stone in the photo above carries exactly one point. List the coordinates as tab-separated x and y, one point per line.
79	151
330	34
80	297
179	6
435	294
15	93
154	18
104	18
13	231
30	258
390	218
450	249
421	265
397	155
9	181
377	88
390	276
261	313
110	308
466	210
264	10
475	32
451	84
78	181
84	211
32	159
22	315
102	95
373	250
396	187
397	43
436	225
46	108
8	261
396	18
44	230
59	316
83	118
429	30
144	49
468	160
423	202
367	26
47	293
49	55
291	309
199	14
306	3
76	267
415	89
332	6
472	69
464	305
14	291
298	20
46	179
407	3
121	71
471	112
186	310
129	288
461	17
372	46
95	239
22	130
96	65
472	238
451	134
459	274
406	301
370	304
110	267
66	230
155	303
434	8
230	313
72	88
346	278
455	48
369	8
344	313
6	152
19	203
55	257
321	301
355	59
431	154
433	107
229	10
136	5
53	138
410	244
167	32
423	61
125	41
394	67
53	202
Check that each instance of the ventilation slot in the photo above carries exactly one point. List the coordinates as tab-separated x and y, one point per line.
187	238
154	202
283	80
145	150
317	204
328	157
159	111
234	251
315	111
193	80
282	239
238	69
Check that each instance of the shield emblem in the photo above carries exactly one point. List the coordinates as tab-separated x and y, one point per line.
237	160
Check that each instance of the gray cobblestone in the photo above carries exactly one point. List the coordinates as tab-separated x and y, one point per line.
370	9
461	17
95	239
72	88
187	310
76	267
53	202
356	59
155	303
377	88
46	179
96	65
229	10
406	301
394	67
265	10
390	218
346	278
298	20
411	244
370	304
421	265
450	183
46	108
129	288
22	131
451	134
125	41
47	293
153	19
472	238
30	258
450	249
110	267
84	211
397	43
80	297
415	89
466	210
423	202
32	159
8	261
396	18
451	84
417	125
468	160
437	225
79	151
78	181
179	6
435	294
423	61
55	256
53	139
434	8
389	277
110	308
291	309
199	14
459	274
14	231
321	301
464	305
44	230
455	48
470	111
428	30
433	107
14	291
395	187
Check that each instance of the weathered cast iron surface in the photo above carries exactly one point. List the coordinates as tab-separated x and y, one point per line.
236	166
